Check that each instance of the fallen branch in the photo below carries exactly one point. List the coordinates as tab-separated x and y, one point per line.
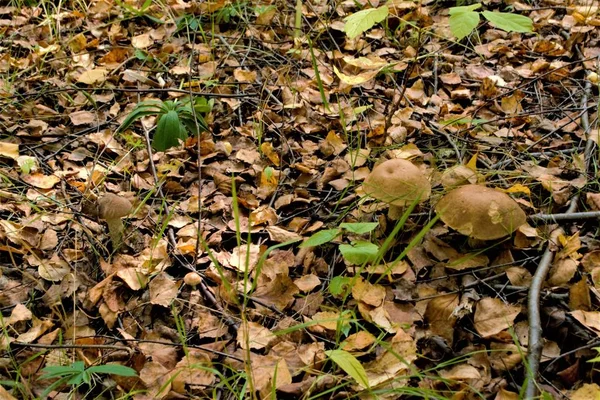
536	341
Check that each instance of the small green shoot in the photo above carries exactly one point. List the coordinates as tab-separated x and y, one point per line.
175	119
77	374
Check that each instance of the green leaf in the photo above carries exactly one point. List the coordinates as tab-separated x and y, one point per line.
168	132
142	109
359	253
339	285
458	10
509	22
113	369
320	238
359	227
350	365
363	20
463	23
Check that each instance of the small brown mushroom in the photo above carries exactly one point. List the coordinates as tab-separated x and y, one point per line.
192	279
112	208
399	183
480	212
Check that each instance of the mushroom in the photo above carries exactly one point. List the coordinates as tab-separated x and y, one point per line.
192	279
479	212
399	183
112	208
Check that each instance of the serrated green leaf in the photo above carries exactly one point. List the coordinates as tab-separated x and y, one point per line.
168	132
363	20
350	365
359	253
320	238
509	22
462	24
458	10
359	227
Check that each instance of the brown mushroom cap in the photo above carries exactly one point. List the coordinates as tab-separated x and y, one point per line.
192	279
112	206
397	182
480	212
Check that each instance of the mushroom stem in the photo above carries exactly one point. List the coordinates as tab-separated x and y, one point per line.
395	212
115	229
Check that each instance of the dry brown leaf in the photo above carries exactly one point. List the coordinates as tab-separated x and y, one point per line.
93	76
368	293
358	341
587	391
307	283
9	150
440	316
163	289
589	319
492	316
562	271
254	336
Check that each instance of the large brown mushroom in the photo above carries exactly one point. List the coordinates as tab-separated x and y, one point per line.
399	183
479	212
112	208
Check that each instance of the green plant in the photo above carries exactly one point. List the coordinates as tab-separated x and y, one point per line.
77	374
358	252
175	119
231	11
363	20
463	20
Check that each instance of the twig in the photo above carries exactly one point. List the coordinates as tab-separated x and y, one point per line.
536	342
139	90
576	216
73	346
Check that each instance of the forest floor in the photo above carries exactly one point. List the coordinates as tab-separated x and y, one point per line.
254	261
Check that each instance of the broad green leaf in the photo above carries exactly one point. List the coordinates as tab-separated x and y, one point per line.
320	238
112	369
359	227
359	253
350	365
462	24
339	285
509	22
363	20
458	10
168	132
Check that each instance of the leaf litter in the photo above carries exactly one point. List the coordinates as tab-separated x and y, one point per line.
210	291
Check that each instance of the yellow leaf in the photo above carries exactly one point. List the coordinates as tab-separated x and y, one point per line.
472	164
518	188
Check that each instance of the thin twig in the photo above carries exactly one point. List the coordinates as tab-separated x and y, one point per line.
576	216
536	342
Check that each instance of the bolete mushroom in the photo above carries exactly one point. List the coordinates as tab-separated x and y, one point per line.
480	212
399	183
112	208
